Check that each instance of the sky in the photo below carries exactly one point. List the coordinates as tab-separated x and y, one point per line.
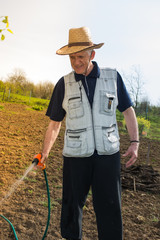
130	30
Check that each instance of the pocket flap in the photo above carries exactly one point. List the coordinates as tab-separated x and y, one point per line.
110	96
112	138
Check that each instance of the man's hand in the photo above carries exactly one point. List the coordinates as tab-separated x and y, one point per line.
42	161
132	152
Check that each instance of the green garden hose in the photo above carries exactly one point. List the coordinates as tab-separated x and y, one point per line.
49	204
11	226
49	210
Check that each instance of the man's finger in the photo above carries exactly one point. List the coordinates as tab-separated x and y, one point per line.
130	162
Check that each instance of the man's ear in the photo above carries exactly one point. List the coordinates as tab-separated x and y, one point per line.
93	54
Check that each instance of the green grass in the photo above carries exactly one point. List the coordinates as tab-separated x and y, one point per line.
35	103
37	108
154	132
45	204
32	180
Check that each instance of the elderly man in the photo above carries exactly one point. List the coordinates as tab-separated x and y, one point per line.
89	97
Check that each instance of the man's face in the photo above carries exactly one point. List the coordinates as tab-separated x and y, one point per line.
81	61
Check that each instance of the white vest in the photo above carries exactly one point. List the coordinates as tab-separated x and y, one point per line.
89	129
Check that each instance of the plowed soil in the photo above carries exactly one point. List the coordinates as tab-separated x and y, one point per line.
21	136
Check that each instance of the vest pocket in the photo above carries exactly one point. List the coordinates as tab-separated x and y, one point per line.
110	139
107	103
75	143
75	107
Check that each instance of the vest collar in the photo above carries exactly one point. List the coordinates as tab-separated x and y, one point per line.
95	73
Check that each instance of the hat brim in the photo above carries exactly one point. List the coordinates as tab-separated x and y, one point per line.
66	50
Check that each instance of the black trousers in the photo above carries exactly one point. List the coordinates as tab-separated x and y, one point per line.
102	174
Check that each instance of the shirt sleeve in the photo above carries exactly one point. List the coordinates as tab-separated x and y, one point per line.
124	100
55	110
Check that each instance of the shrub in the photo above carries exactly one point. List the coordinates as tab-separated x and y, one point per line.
143	125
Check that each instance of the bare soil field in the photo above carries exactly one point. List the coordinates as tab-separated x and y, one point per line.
21	135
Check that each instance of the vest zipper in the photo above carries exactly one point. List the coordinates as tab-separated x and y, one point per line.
73	98
76	131
87	86
80	89
112	126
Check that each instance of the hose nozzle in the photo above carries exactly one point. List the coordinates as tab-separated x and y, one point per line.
37	161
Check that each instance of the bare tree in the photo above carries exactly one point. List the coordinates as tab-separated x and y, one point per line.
44	90
17	81
134	84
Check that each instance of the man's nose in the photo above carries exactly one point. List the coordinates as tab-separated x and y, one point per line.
76	61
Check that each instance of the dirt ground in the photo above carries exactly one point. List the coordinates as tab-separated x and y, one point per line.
21	134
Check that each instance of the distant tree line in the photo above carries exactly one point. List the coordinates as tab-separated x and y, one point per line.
18	83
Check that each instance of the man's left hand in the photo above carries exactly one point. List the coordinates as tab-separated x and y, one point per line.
133	153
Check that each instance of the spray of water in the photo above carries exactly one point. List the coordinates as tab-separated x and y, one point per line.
17	183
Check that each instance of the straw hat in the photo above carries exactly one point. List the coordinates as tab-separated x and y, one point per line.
79	40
